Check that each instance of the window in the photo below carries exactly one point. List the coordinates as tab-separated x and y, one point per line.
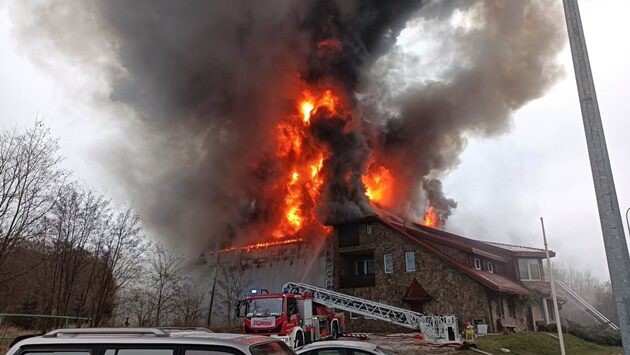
331	351
490	267
364	267
292	306
270	348
354	316
139	351
209	352
357	270
348	235
264	307
388	261
368	229
500	308
57	352
529	269
410	261
477	263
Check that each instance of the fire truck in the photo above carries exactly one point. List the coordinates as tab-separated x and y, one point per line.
302	314
291	316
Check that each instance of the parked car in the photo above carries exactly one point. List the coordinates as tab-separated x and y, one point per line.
147	341
342	347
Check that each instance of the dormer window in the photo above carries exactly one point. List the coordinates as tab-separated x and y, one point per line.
490	267
477	263
529	269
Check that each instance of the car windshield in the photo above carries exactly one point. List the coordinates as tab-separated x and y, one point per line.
262	307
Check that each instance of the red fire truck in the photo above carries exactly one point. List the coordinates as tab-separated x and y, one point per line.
290	316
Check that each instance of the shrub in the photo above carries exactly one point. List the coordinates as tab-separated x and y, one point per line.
597	334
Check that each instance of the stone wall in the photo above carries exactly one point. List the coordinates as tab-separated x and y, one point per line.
452	291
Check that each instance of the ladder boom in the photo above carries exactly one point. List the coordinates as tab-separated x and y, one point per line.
434	328
586	307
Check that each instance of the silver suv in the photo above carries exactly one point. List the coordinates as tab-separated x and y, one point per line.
147	341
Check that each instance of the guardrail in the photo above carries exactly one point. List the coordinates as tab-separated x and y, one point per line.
23	315
66	319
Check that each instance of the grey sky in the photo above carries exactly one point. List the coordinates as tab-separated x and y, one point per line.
503	185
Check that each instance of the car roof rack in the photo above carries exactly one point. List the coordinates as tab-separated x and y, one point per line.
107	331
186	329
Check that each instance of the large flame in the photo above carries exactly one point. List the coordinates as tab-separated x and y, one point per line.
378	185
303	160
301	174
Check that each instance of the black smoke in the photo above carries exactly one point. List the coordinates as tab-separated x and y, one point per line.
202	84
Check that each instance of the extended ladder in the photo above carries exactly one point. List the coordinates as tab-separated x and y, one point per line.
586	307
435	329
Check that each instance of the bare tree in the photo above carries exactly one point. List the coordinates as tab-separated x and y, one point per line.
75	219
595	291
232	285
119	248
189	304
29	177
166	278
136	304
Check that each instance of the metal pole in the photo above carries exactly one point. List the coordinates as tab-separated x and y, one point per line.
556	312
214	286
608	206
627	222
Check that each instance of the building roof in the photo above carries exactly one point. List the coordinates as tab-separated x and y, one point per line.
416	292
519	250
426	236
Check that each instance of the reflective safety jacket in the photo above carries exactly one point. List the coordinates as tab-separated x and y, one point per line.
469	335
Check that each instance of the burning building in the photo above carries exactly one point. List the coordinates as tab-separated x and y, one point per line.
406	264
256	124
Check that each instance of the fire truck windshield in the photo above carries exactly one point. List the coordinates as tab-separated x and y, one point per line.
262	307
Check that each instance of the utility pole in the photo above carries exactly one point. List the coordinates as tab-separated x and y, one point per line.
609	213
214	286
556	312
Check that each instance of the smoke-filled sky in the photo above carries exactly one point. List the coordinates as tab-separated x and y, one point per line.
505	159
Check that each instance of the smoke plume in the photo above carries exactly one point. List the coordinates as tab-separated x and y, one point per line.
207	84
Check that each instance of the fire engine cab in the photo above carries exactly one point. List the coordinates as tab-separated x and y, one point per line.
290	316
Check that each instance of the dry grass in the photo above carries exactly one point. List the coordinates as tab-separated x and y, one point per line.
8	333
531	343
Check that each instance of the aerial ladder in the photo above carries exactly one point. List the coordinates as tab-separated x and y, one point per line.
586	307
435	329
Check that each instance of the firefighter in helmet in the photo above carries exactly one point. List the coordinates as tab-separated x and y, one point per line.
469	336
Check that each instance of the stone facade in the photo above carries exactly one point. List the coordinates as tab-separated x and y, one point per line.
451	290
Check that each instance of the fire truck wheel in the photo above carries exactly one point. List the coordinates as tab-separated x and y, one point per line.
335	331
299	340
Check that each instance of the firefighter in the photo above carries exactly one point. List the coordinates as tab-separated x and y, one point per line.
469	336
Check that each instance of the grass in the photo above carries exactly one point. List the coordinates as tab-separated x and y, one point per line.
7	333
526	343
